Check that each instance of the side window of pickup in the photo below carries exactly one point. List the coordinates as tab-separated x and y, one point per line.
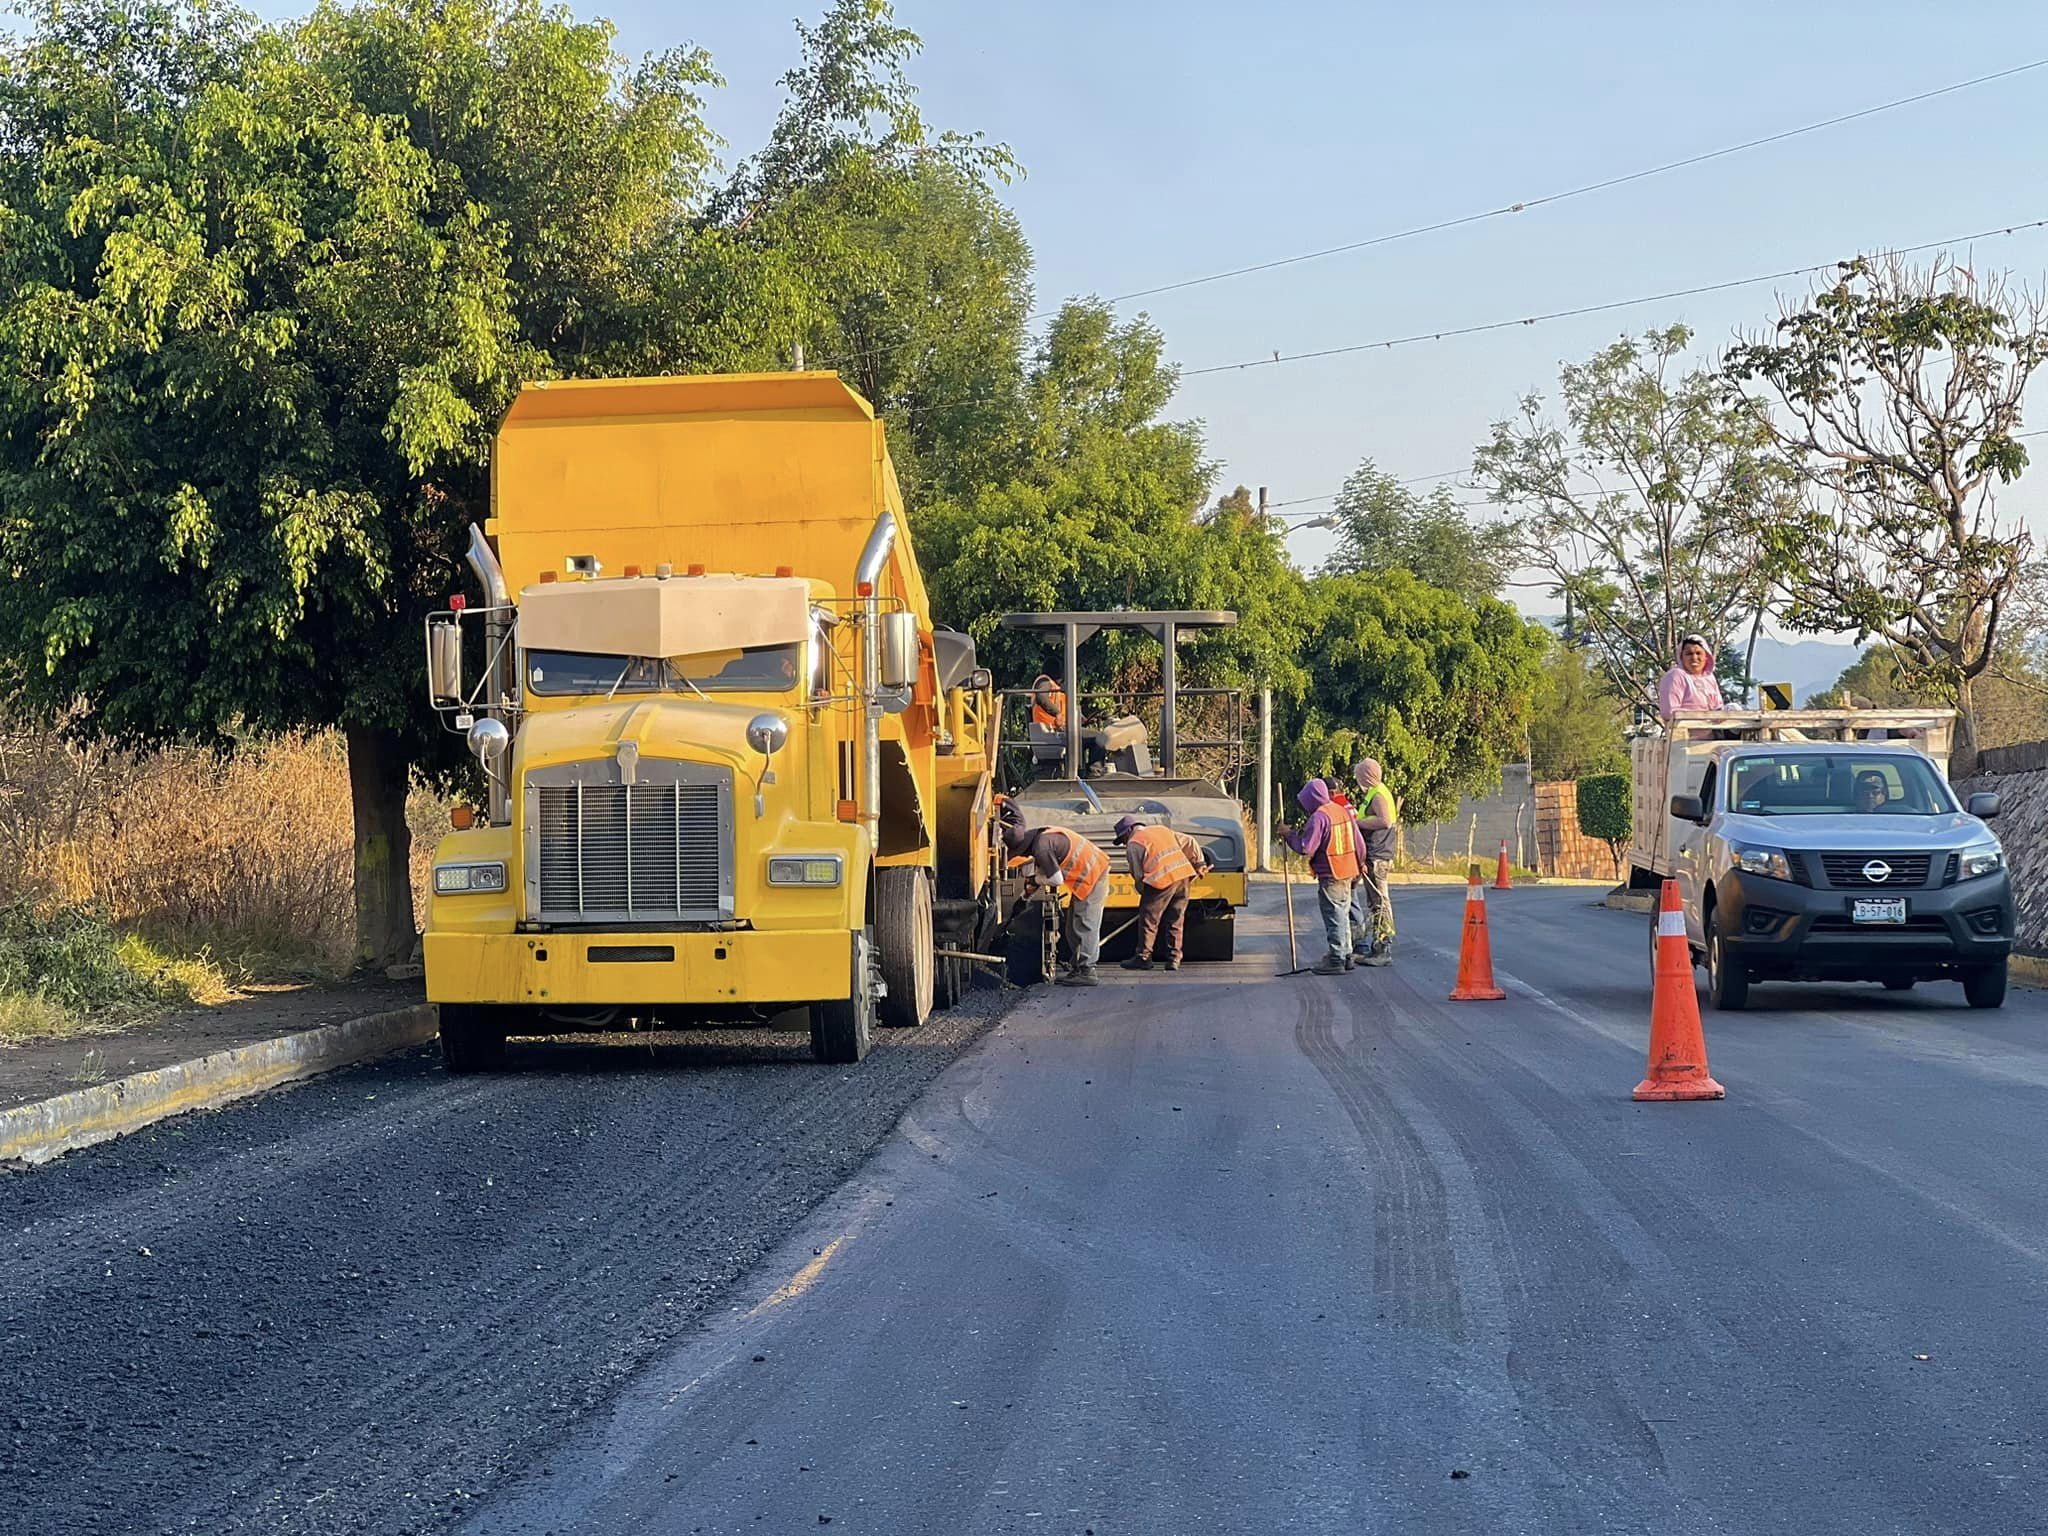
1708	785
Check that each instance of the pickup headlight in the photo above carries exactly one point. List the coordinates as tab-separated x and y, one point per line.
1982	859
1761	861
456	879
807	869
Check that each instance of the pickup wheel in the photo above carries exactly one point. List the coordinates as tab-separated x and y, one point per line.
1984	987
842	1028
903	933
473	1037
1727	980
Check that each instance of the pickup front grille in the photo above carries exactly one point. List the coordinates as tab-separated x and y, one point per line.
1845	870
657	850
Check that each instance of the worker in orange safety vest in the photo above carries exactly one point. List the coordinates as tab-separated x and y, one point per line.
1164	863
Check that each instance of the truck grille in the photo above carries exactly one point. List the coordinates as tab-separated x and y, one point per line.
1845	870
655	850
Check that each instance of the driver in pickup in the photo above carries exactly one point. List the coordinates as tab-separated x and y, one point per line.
1871	792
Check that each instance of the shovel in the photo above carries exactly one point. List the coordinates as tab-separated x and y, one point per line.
1294	965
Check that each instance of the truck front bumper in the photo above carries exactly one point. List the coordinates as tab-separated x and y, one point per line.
571	969
1795	932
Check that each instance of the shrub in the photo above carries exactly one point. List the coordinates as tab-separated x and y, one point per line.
67	970
1605	812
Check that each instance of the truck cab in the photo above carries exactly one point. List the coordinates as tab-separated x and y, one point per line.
1831	849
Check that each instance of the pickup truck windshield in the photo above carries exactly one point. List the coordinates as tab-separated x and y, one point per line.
1835	784
756	669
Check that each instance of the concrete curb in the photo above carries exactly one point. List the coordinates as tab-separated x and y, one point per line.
1633	901
35	1133
2028	970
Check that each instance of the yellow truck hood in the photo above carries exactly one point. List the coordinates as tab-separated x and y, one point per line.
688	728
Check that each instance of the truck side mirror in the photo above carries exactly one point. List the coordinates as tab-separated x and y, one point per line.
899	650
1984	805
444	662
1689	808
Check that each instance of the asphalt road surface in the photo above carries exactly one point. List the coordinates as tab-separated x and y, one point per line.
1193	1253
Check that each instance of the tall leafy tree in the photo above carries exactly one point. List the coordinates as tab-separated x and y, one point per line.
1576	725
1385	525
1641	509
1435	686
1895	396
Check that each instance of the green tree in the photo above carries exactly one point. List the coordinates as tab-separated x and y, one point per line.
1606	812
1642	509
1895	396
1102	507
2011	697
1436	687
264	293
1385	525
1576	724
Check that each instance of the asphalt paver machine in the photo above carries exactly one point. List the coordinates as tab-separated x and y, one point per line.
1117	753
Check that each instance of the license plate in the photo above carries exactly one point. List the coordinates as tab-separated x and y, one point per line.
1878	909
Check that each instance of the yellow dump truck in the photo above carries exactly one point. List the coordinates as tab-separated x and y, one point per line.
734	769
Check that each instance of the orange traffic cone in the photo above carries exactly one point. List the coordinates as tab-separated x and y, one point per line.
1678	1050
1501	882
1475	953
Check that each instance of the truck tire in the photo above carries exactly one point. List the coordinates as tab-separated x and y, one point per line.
903	934
1024	946
1210	938
473	1037
1984	986
1727	980
842	1028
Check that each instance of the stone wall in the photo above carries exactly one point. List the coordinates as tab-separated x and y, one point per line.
1480	825
1562	850
2019	777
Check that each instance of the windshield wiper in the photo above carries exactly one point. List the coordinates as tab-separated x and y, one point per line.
684	679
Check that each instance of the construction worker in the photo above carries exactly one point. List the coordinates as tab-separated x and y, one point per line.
1164	863
1372	909
1049	713
1329	841
1077	872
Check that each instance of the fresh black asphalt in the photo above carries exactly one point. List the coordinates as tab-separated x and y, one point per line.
1191	1253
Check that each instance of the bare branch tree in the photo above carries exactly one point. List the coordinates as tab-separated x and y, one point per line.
1642	516
1895	395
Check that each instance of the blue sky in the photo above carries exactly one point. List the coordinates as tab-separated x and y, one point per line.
1163	141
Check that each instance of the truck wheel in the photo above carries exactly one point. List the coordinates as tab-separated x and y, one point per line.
1985	986
842	1028
1210	938
1024	946
1727	980
903	934
473	1037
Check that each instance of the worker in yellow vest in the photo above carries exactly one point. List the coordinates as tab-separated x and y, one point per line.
1164	863
1379	821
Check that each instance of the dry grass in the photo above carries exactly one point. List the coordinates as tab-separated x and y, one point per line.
132	883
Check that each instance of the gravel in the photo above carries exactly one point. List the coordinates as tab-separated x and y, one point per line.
356	1304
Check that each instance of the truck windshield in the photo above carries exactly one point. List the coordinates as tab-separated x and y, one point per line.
756	669
1836	784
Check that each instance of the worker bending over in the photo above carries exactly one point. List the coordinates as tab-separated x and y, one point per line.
1329	841
1164	863
1077	872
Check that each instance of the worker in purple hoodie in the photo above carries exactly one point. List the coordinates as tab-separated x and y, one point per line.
1329	841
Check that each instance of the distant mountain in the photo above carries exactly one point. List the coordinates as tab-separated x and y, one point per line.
1808	665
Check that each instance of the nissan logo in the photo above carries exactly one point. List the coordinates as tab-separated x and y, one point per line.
1877	871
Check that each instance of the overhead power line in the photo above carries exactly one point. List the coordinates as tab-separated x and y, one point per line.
1586	190
1386	343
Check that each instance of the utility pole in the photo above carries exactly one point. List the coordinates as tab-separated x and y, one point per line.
1263	861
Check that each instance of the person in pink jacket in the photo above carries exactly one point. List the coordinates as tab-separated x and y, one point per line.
1690	684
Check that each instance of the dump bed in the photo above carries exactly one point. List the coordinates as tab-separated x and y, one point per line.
1674	760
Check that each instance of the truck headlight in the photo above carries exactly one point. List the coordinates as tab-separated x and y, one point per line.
456	879
1761	861
804	869
1982	859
